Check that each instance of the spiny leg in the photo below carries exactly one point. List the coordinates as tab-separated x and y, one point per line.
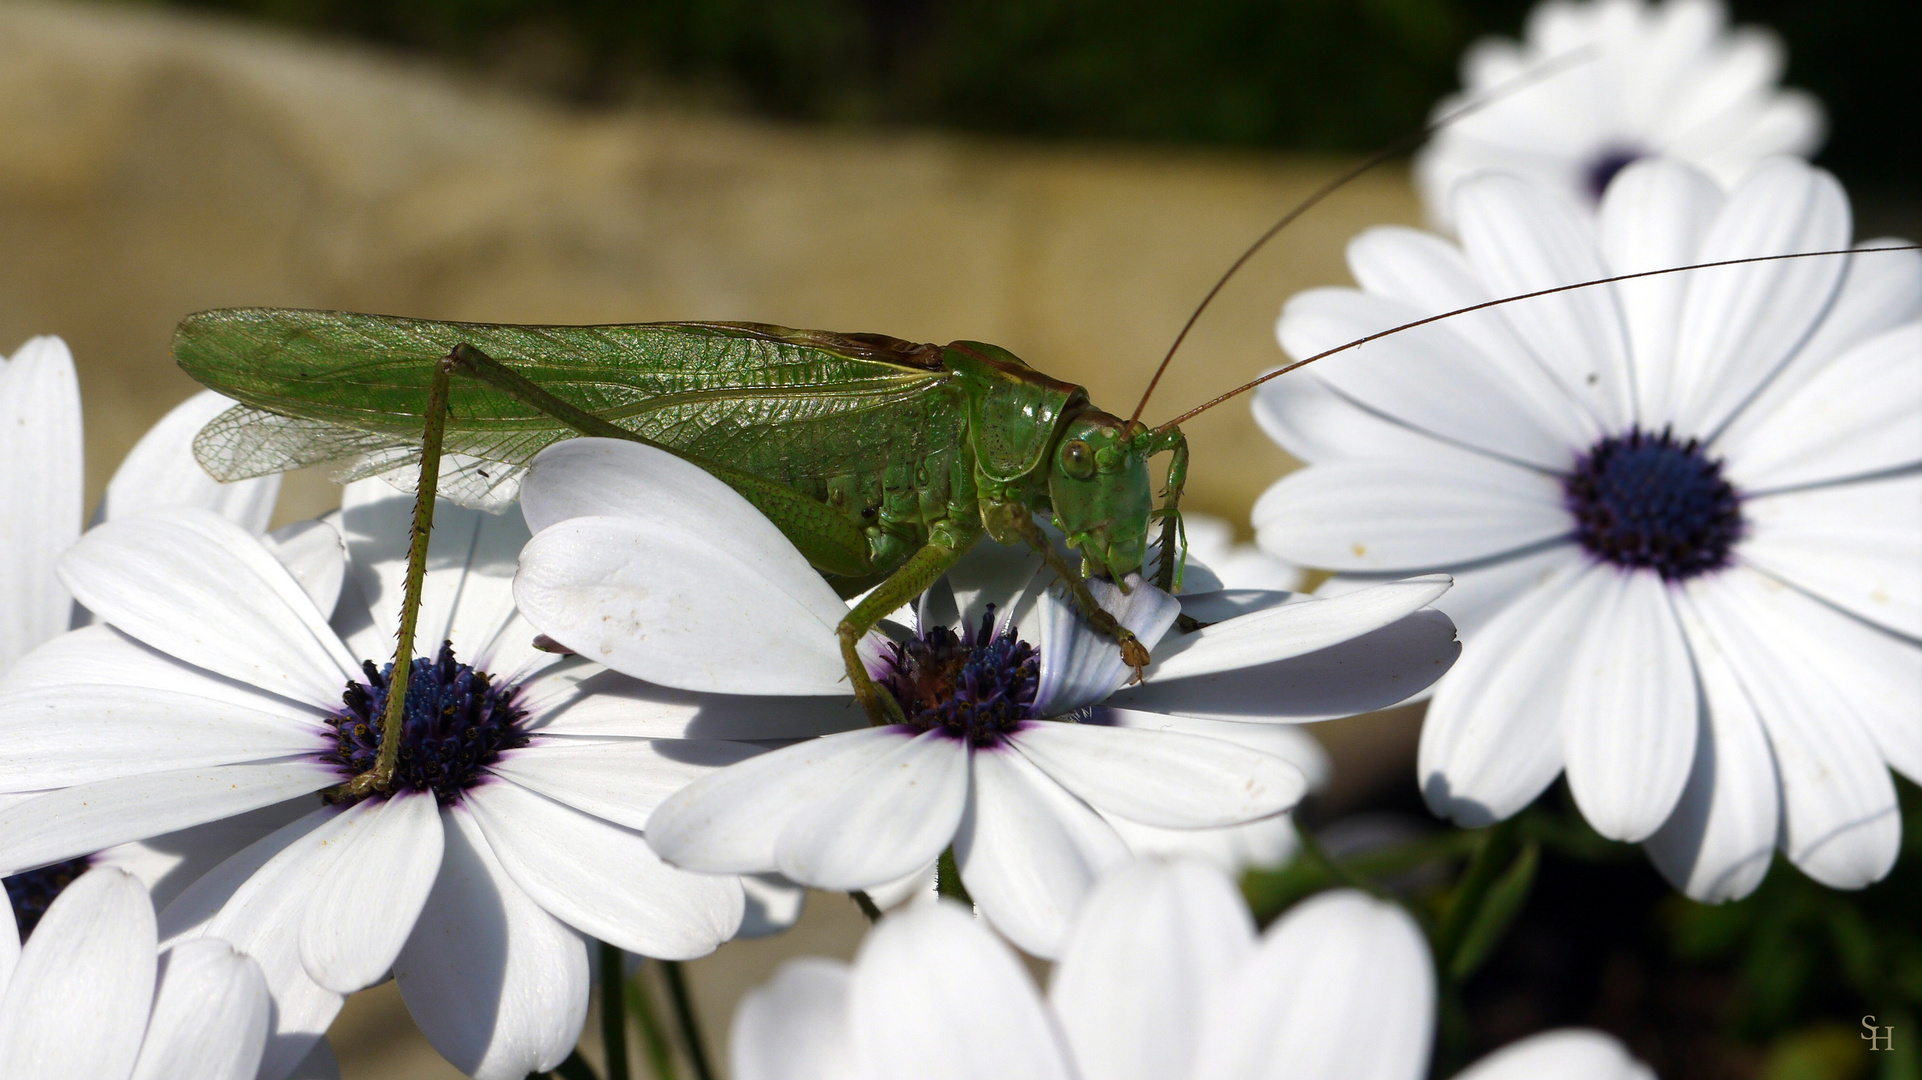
382	774
1174	537
947	542
1133	652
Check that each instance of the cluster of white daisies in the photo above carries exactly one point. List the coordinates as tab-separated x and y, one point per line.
1681	517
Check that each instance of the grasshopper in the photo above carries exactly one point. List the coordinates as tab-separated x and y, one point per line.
882	460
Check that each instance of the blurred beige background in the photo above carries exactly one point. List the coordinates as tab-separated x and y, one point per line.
155	165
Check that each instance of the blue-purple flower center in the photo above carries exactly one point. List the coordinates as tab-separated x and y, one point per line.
33	892
1602	168
454	724
977	685
1648	501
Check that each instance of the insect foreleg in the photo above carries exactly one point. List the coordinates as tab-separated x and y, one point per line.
1174	538
1017	519
382	774
947	542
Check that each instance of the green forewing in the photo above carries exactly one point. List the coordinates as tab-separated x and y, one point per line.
781	404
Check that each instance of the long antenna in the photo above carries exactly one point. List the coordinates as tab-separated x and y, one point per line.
1378	335
1405	142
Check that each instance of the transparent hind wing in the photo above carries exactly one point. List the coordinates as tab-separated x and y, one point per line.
470	481
245	442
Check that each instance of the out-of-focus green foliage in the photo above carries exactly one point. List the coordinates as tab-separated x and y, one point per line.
1298	74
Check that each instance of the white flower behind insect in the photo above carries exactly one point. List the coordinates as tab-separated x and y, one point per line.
1668	79
1683	511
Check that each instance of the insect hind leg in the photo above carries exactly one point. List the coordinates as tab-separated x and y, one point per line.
381	776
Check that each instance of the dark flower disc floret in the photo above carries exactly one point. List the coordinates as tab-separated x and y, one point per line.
1601	169
977	685
1649	501
455	723
33	891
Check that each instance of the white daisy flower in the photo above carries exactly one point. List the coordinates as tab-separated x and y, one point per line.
1666	80
653	567
218	687
90	997
1684	513
1162	978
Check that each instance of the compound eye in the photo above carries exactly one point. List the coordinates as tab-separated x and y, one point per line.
1077	460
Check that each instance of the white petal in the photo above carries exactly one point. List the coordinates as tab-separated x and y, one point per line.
602	879
1432	275
1268	842
587	699
1855	417
1315	423
1741	323
40	491
317	557
935	997
893	816
169	863
1842	825
160	470
730	821
1028	851
1652	218
1718	843
664	603
1522	238
1150	944
254	901
990	573
1485	590
1879	292
1430	377
100	654
922	885
1286	741
1566	1054
1875	675
1628	706
1335	964
1491	742
210	1018
392	851
77	1003
1373	671
86	734
496	984
622	780
1166	778
795	1025
85	818
9	945
196	586
1857	545
1290	630
1449	507
1080	667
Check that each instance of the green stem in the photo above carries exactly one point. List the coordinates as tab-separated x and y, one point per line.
1491	857
690	1024
614	1011
654	1041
